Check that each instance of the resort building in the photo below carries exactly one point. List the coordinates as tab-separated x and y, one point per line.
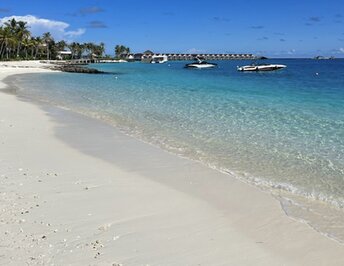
63	55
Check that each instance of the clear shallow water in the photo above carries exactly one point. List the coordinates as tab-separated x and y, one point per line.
281	130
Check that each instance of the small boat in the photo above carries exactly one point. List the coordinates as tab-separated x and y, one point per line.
200	64
159	59
261	67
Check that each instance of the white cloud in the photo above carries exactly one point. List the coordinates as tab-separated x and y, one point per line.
195	51
75	33
338	51
37	26
291	51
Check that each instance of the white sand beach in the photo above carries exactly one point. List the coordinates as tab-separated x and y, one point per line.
76	191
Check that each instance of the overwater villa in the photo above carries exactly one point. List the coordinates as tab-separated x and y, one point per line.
147	56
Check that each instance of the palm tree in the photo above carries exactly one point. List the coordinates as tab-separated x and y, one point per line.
47	40
11	28
118	50
2	42
29	44
82	49
61	45
12	25
16	42
38	43
121	50
21	33
8	41
73	48
33	45
78	49
89	49
26	43
101	49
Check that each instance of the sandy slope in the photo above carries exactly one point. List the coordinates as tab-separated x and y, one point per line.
75	191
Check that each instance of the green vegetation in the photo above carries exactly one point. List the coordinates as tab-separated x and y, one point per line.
17	43
89	49
121	51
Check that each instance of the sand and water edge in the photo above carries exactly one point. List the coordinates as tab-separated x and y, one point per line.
76	191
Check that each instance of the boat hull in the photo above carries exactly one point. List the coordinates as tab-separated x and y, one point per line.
200	66
261	68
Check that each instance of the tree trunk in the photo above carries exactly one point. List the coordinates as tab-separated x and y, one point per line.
2	49
6	49
18	48
36	52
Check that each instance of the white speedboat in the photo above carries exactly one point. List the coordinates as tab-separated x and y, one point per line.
159	59
200	64
261	67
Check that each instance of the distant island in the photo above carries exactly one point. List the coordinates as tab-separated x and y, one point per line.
319	57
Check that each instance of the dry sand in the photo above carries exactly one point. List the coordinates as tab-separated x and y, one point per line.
75	191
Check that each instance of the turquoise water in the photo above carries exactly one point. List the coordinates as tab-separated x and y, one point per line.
281	130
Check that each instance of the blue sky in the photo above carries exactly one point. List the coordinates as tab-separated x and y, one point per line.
273	28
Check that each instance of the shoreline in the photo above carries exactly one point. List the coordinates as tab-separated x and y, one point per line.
321	214
167	210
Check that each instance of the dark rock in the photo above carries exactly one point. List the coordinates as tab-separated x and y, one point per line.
77	69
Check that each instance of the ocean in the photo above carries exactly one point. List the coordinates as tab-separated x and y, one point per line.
282	131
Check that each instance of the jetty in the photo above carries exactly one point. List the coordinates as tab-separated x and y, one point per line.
148	55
